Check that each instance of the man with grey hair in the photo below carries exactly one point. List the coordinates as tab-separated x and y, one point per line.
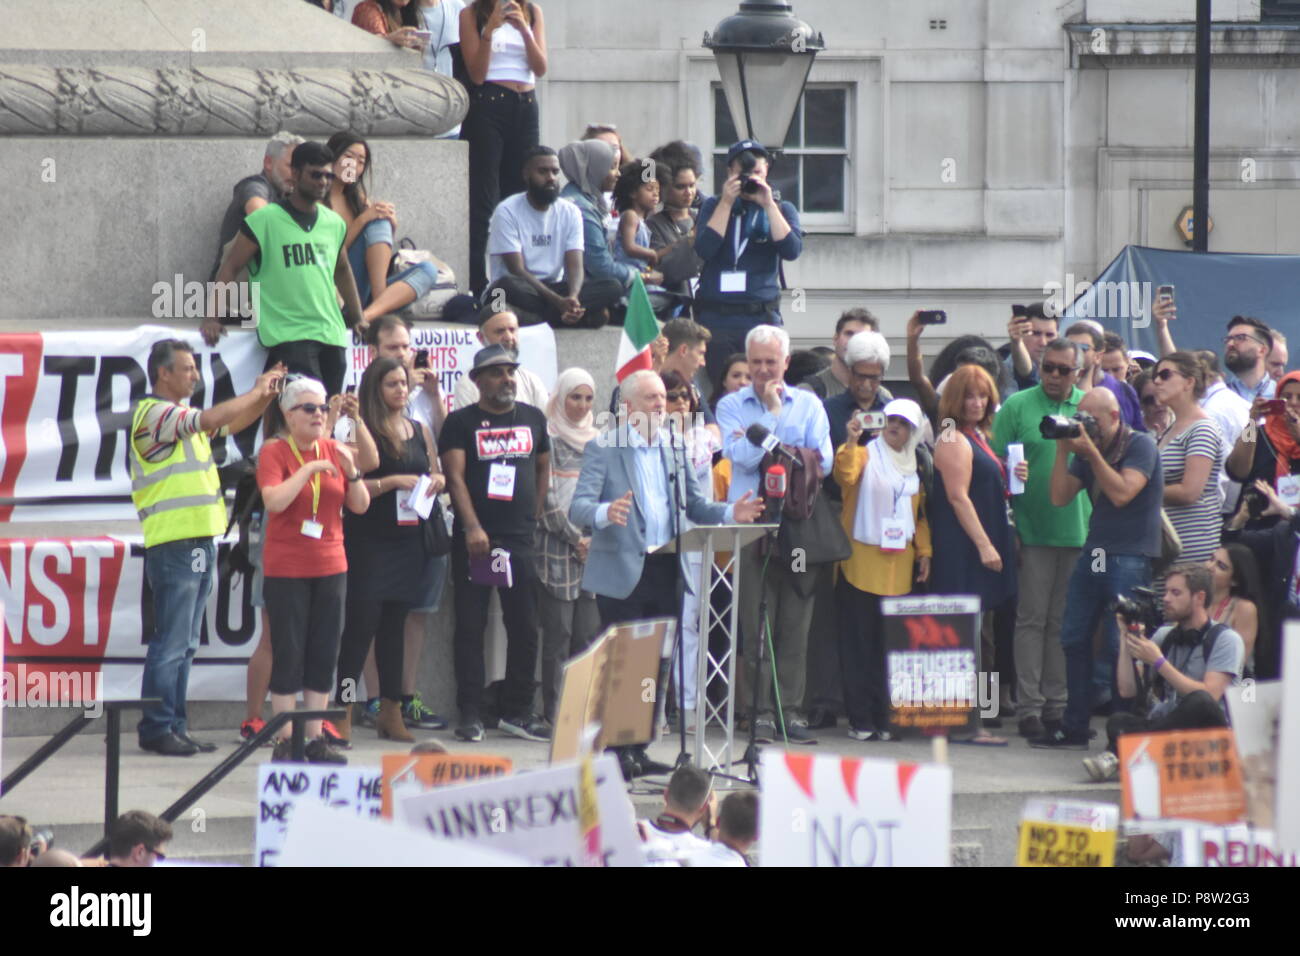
798	420
254	192
1050	537
1277	359
834	380
175	489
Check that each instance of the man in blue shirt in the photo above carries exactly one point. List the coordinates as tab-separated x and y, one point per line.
797	419
744	233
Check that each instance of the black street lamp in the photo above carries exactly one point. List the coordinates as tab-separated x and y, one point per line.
764	55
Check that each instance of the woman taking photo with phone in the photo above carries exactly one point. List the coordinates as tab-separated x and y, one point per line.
504	46
306	479
1270	451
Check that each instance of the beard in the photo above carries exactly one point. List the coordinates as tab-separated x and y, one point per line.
1237	363
543	195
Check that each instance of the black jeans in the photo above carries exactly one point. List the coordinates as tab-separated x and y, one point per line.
306	617
862	658
325	363
531	309
500	127
1197	711
383	622
519	610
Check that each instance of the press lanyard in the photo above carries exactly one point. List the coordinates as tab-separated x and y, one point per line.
315	479
736	242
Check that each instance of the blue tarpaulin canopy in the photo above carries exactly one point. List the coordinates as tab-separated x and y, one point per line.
1209	289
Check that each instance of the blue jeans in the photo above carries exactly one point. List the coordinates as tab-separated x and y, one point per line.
1088	599
180	575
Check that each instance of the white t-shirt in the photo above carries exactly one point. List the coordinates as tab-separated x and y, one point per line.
1230	412
529	389
717	854
542	237
661	848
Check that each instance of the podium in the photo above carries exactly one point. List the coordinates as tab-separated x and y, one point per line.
708	541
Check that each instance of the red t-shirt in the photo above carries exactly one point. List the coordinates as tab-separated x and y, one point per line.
287	552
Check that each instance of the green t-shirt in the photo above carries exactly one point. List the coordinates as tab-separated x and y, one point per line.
294	269
1038	522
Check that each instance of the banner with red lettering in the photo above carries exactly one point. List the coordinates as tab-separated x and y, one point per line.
76	611
66	398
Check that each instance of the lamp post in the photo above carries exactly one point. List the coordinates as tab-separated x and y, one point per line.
764	55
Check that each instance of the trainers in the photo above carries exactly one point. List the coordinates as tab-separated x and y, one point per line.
470	731
861	733
527	726
885	737
765	730
368	713
1031	726
416	716
330	734
320	750
1102	767
1060	740
283	752
251	728
797	732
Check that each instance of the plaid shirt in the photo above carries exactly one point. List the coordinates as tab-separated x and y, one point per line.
558	565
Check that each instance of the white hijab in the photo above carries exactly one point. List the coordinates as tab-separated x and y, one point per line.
889	482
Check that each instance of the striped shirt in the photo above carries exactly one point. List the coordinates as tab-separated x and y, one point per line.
1198	523
164	424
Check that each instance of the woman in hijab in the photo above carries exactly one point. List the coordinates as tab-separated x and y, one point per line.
568	615
1269	452
885	519
591	168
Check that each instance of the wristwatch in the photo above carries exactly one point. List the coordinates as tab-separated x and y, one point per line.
356	477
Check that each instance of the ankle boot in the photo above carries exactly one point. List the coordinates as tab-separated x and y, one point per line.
390	723
344	724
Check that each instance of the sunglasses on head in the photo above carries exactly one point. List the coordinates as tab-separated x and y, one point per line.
1051	368
310	408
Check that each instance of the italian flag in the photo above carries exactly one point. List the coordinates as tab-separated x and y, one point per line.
639	329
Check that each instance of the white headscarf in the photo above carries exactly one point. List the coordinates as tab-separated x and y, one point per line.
889	482
557	422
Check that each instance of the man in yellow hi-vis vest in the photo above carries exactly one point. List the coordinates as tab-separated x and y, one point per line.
175	489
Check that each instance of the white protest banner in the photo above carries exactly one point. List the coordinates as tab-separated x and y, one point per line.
533	815
1234	846
283	789
824	810
1287	823
77	611
66	399
325	837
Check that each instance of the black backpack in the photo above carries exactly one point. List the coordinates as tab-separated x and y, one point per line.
242	477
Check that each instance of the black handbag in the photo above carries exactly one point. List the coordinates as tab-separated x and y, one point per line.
808	542
437	539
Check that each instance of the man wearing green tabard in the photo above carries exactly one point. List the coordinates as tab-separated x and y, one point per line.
295	253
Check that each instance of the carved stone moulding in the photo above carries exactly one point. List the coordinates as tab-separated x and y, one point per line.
226	101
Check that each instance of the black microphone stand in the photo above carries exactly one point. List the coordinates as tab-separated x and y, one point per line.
751	751
679	646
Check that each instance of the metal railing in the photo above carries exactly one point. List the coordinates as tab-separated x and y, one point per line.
297	747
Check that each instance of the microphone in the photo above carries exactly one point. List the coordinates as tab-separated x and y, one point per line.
774	486
761	437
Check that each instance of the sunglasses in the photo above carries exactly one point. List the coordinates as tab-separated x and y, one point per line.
678	396
1165	374
320	174
310	408
1051	368
158	853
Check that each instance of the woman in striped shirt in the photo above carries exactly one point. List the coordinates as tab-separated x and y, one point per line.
1191	455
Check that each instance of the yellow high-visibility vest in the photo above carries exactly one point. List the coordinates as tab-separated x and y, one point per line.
180	496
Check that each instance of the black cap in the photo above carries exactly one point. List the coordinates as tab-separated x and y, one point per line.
749	145
491	356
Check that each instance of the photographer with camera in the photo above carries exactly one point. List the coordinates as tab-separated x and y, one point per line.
1050	536
1181	672
1120	469
746	233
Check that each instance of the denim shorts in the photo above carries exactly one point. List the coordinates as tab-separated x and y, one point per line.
430	592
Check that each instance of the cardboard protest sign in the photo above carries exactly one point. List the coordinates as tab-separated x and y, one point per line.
419	773
1181	774
325	837
1067	833
612	684
932	659
1235	846
823	810
1256	708
534	815
282	789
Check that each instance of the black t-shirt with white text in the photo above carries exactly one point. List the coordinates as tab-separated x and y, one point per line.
512	440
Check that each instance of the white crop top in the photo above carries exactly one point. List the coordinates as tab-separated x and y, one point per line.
509	59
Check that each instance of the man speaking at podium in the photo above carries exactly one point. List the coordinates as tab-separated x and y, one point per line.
625	494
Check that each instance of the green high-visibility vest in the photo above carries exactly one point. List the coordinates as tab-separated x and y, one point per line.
180	496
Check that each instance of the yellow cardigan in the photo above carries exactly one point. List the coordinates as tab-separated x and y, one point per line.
869	568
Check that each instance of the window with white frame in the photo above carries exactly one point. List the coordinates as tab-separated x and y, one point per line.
812	171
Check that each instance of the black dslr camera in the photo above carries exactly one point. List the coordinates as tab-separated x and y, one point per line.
1054	427
748	184
1138	609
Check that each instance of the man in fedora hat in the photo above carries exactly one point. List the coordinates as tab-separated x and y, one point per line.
496	456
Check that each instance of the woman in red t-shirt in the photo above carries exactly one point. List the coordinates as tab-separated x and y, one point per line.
306	479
